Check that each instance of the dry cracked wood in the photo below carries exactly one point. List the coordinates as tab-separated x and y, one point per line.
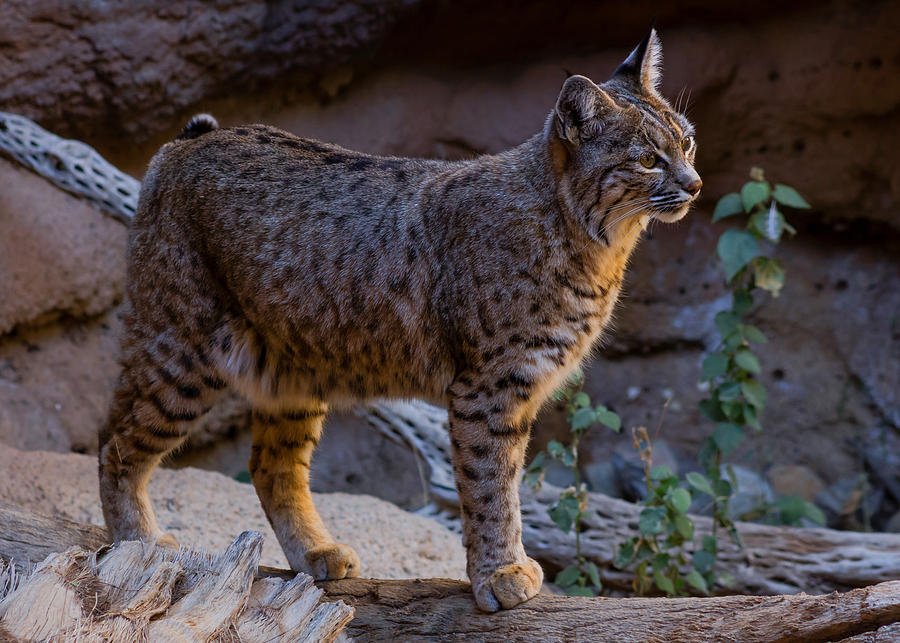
138	591
443	610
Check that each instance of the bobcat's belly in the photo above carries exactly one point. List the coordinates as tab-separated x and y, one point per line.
342	367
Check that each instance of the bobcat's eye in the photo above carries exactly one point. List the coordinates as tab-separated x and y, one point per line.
648	160
687	143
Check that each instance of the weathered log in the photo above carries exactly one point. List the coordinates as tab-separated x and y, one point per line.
443	610
773	560
139	591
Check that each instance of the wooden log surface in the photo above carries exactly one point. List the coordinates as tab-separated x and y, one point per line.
443	610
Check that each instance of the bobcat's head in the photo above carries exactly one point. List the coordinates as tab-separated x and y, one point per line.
621	151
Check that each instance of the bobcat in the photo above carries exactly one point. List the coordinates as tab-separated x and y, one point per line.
307	276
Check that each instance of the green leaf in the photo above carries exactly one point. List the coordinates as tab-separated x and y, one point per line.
661	561
733	410
788	196
625	553
568	576
754	193
728	205
695	580
581	400
769	223
684	526
578	590
792	508
650	521
729	391
722	488
747	360
663	582
710	410
755	393
583	418
714	365
768	274
608	418
728	437
681	500
752	334
704	561
751	418
736	248
243	476
741	302
815	514
699	482
709	544
556	449
726	322
732	342
659	472
564	513
594	575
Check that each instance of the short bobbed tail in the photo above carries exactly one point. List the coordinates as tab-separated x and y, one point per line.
199	125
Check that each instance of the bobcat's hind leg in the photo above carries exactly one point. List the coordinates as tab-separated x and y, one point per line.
283	444
162	392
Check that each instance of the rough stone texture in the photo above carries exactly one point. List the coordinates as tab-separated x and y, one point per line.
58	255
84	67
795	480
205	509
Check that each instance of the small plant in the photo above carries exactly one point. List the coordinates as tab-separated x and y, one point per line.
658	552
582	577
737	397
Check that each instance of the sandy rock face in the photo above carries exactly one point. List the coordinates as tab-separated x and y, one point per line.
58	254
207	510
129	67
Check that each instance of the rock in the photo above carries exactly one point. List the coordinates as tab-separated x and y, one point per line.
751	492
58	254
206	509
850	503
93	69
795	480
893	524
558	474
601	477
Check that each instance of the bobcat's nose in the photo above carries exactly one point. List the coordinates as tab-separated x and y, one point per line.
694	186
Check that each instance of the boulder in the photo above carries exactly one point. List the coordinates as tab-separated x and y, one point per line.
205	509
58	254
795	480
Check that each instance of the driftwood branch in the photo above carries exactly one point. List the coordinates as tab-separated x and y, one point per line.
443	610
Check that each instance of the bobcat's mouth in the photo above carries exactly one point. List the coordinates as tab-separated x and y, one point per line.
671	208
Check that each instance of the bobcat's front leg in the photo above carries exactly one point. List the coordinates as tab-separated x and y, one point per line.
488	454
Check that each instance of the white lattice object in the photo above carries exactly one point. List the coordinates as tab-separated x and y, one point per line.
72	165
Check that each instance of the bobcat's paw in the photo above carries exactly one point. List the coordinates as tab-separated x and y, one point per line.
333	561
509	586
165	540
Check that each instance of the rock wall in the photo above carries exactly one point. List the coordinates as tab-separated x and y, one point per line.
809	92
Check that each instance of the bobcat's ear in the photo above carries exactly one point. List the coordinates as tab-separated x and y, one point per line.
580	109
643	67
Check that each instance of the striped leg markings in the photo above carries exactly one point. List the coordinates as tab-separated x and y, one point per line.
488	455
283	445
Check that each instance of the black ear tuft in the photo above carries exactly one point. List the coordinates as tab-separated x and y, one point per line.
643	67
578	107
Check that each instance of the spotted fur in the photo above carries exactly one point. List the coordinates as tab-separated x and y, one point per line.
305	275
